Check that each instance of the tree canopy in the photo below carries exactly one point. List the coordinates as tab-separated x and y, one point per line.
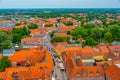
3	36
48	25
4	63
96	34
60	39
5	44
69	23
19	33
79	31
32	26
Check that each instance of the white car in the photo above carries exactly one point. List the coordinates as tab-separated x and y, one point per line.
61	66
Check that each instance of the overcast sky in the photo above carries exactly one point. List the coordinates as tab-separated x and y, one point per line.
59	3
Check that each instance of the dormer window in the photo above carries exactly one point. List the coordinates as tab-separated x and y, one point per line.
77	74
91	73
14	74
117	49
97	73
96	50
41	68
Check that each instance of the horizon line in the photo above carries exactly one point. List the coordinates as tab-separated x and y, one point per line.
59	8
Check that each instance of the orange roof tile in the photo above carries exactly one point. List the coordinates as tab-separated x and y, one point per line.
64	28
114	48
72	51
63	34
19	26
72	68
23	75
32	55
2	74
87	52
40	56
104	50
9	77
33	31
96	70
6	29
1	56
30	39
10	71
113	72
118	17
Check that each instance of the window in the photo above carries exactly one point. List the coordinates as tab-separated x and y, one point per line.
14	74
97	73
91	73
77	74
41	68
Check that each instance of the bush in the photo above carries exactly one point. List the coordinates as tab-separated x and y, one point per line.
52	33
60	39
17	24
69	23
68	32
32	26
77	42
4	63
5	44
19	33
48	25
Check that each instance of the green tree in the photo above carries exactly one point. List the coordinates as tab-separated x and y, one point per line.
60	39
4	63
68	32
88	26
3	36
77	42
69	23
52	33
115	31
17	38
5	44
108	37
26	31
98	33
32	26
79	31
90	41
48	25
82	22
17	24
119	24
19	33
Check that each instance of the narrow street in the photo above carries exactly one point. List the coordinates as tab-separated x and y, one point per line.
58	73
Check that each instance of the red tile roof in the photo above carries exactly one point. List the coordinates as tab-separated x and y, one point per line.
6	29
96	70
41	70
34	31
87	52
104	50
2	75
113	72
66	28
30	39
